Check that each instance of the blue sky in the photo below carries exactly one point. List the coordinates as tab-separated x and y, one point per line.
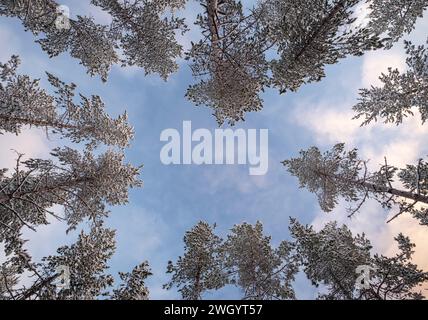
174	198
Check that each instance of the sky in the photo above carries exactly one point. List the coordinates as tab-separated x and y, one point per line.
175	198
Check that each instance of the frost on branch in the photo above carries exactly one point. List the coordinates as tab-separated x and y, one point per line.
246	260
259	270
80	183
312	34
146	33
339	174
401	93
85	40
328	175
283	44
229	61
395	18
76	272
87	262
200	269
242	49
133	285
140	30
24	103
331	257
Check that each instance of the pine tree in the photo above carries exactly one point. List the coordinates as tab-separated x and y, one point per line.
400	94
82	184
311	35
200	269
229	60
342	174
331	258
396	278
139	29
242	50
393	19
246	260
8	280
133	285
24	103
76	272
260	271
84	39
87	262
146	32
232	60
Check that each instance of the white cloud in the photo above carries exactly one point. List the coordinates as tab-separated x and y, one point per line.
377	62
330	124
401	144
32	143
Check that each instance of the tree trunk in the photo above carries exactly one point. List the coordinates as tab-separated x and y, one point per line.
34	289
5	197
381	189
37	123
212	13
340	5
399	193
